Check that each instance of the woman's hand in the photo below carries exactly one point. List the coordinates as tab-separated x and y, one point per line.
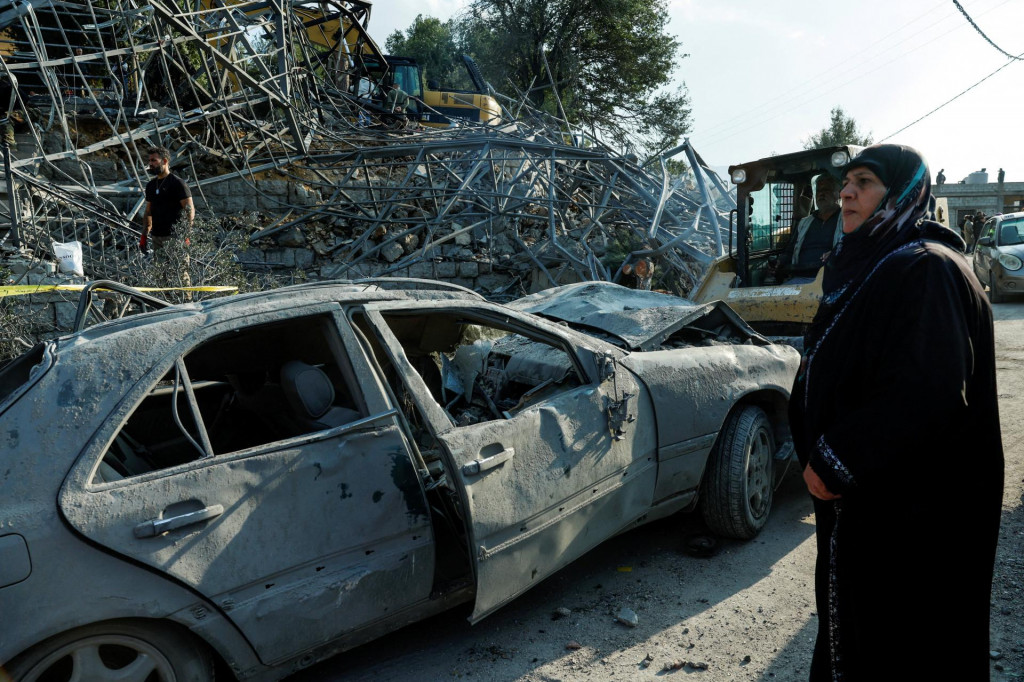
817	486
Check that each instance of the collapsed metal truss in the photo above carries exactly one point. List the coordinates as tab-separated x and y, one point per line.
238	90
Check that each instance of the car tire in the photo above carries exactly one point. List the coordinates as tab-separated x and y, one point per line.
993	294
110	651
737	490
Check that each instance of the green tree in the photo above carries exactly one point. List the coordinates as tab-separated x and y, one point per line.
842	129
610	61
431	43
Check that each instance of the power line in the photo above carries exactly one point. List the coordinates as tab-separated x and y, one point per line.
719	134
807	98
809	85
1012	60
768	111
808	91
982	33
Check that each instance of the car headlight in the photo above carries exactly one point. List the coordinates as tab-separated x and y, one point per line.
739	176
839	159
1010	262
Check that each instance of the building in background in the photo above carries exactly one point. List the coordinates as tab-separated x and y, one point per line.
975	193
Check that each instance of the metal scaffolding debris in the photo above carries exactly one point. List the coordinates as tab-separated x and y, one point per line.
246	94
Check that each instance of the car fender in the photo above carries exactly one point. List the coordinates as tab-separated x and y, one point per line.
694	389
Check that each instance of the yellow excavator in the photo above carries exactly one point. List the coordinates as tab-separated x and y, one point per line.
337	28
430	104
772	196
371	72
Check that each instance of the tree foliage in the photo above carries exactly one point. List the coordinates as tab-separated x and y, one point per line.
842	129
610	61
432	43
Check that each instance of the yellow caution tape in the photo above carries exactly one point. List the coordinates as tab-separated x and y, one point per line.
26	289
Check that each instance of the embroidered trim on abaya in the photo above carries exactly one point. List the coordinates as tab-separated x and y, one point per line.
834	462
833	600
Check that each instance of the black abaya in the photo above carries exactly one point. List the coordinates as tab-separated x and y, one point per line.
895	409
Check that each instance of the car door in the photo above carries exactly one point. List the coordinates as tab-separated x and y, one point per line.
543	481
298	531
984	254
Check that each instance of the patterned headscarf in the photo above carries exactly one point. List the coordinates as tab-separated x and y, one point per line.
897	220
904	215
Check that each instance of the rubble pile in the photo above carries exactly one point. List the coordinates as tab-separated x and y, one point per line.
260	116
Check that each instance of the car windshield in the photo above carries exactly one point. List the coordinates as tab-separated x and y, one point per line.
1011	232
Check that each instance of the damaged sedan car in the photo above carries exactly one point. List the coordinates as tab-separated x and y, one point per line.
250	484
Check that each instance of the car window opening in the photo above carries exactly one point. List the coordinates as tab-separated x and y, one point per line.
16	374
253	387
453	570
477	371
1011	232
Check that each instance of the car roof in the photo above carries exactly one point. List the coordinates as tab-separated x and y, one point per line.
345	292
1008	216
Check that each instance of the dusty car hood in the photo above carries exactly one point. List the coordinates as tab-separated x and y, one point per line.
1013	249
639	319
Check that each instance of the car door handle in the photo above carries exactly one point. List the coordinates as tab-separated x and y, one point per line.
154	527
479	465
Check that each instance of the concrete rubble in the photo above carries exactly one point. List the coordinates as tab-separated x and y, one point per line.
261	117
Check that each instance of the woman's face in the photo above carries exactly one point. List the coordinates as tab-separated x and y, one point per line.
862	192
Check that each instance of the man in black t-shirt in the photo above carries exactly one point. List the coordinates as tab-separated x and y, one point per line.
167	198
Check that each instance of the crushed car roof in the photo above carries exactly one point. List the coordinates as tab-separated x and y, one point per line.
640	319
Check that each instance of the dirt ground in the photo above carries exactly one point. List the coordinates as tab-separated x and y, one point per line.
745	613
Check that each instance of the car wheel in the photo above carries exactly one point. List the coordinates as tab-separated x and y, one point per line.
993	294
736	493
127	650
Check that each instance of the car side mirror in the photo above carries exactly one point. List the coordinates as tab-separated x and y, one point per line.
985	241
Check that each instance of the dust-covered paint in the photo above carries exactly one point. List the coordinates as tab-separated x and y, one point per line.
332	529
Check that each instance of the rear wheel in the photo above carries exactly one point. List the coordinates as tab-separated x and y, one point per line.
993	294
125	650
737	491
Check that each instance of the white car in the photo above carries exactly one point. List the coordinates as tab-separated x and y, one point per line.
251	484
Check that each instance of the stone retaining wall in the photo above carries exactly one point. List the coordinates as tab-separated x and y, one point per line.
47	311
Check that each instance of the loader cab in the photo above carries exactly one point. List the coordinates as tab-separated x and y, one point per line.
772	196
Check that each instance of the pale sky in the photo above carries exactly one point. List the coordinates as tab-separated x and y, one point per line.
763	76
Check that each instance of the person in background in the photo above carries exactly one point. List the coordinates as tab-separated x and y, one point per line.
979	223
167	198
397	100
895	420
967	231
940	179
804	254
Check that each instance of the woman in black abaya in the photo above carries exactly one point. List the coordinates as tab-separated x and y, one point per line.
895	420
